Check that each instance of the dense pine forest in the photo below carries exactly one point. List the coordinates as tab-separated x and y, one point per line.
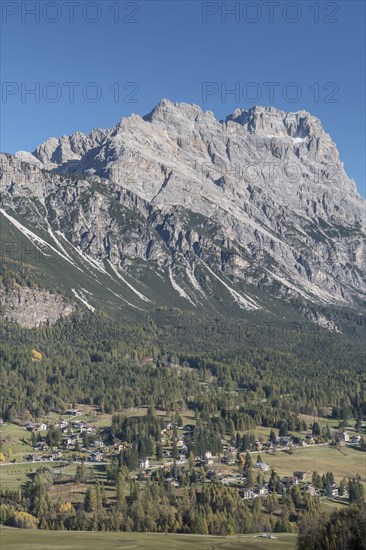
197	363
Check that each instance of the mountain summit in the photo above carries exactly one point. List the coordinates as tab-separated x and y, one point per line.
250	215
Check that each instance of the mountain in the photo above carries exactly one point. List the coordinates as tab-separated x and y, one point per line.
248	217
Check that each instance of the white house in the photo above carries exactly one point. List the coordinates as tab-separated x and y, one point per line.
144	463
247	494
96	457
42	427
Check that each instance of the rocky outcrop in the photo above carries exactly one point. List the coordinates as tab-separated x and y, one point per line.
31	308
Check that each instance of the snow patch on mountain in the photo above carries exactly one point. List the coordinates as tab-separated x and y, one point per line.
244	303
79	295
37	241
134	290
182	293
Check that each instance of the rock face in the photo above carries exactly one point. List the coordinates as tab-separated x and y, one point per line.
180	208
30	308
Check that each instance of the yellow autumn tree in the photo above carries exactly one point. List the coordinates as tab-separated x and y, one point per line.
36	355
66	507
25	520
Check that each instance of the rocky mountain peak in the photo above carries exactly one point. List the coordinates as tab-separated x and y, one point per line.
257	203
55	152
166	110
276	123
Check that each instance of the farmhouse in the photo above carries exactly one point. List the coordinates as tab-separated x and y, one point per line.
73	412
189	427
247	494
311	489
284	440
290	480
56	455
96	457
62	424
41	446
261	491
31	458
264	466
228	458
33	427
77	424
144	463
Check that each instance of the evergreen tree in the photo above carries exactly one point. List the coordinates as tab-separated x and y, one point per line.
248	462
316	480
80	474
90	500
316	429
356	491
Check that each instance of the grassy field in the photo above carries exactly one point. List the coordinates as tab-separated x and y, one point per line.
346	462
15	439
13	475
14	539
263	432
331	422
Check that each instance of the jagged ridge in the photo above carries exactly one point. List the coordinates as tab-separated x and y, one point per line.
242	211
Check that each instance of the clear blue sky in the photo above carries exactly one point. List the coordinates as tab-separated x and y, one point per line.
169	49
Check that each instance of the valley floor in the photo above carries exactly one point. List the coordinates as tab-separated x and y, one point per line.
33	539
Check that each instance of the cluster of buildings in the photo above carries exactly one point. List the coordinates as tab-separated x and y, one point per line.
93	449
36	427
286	481
71	439
344	438
52	456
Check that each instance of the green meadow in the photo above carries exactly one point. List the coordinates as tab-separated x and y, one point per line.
29	539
